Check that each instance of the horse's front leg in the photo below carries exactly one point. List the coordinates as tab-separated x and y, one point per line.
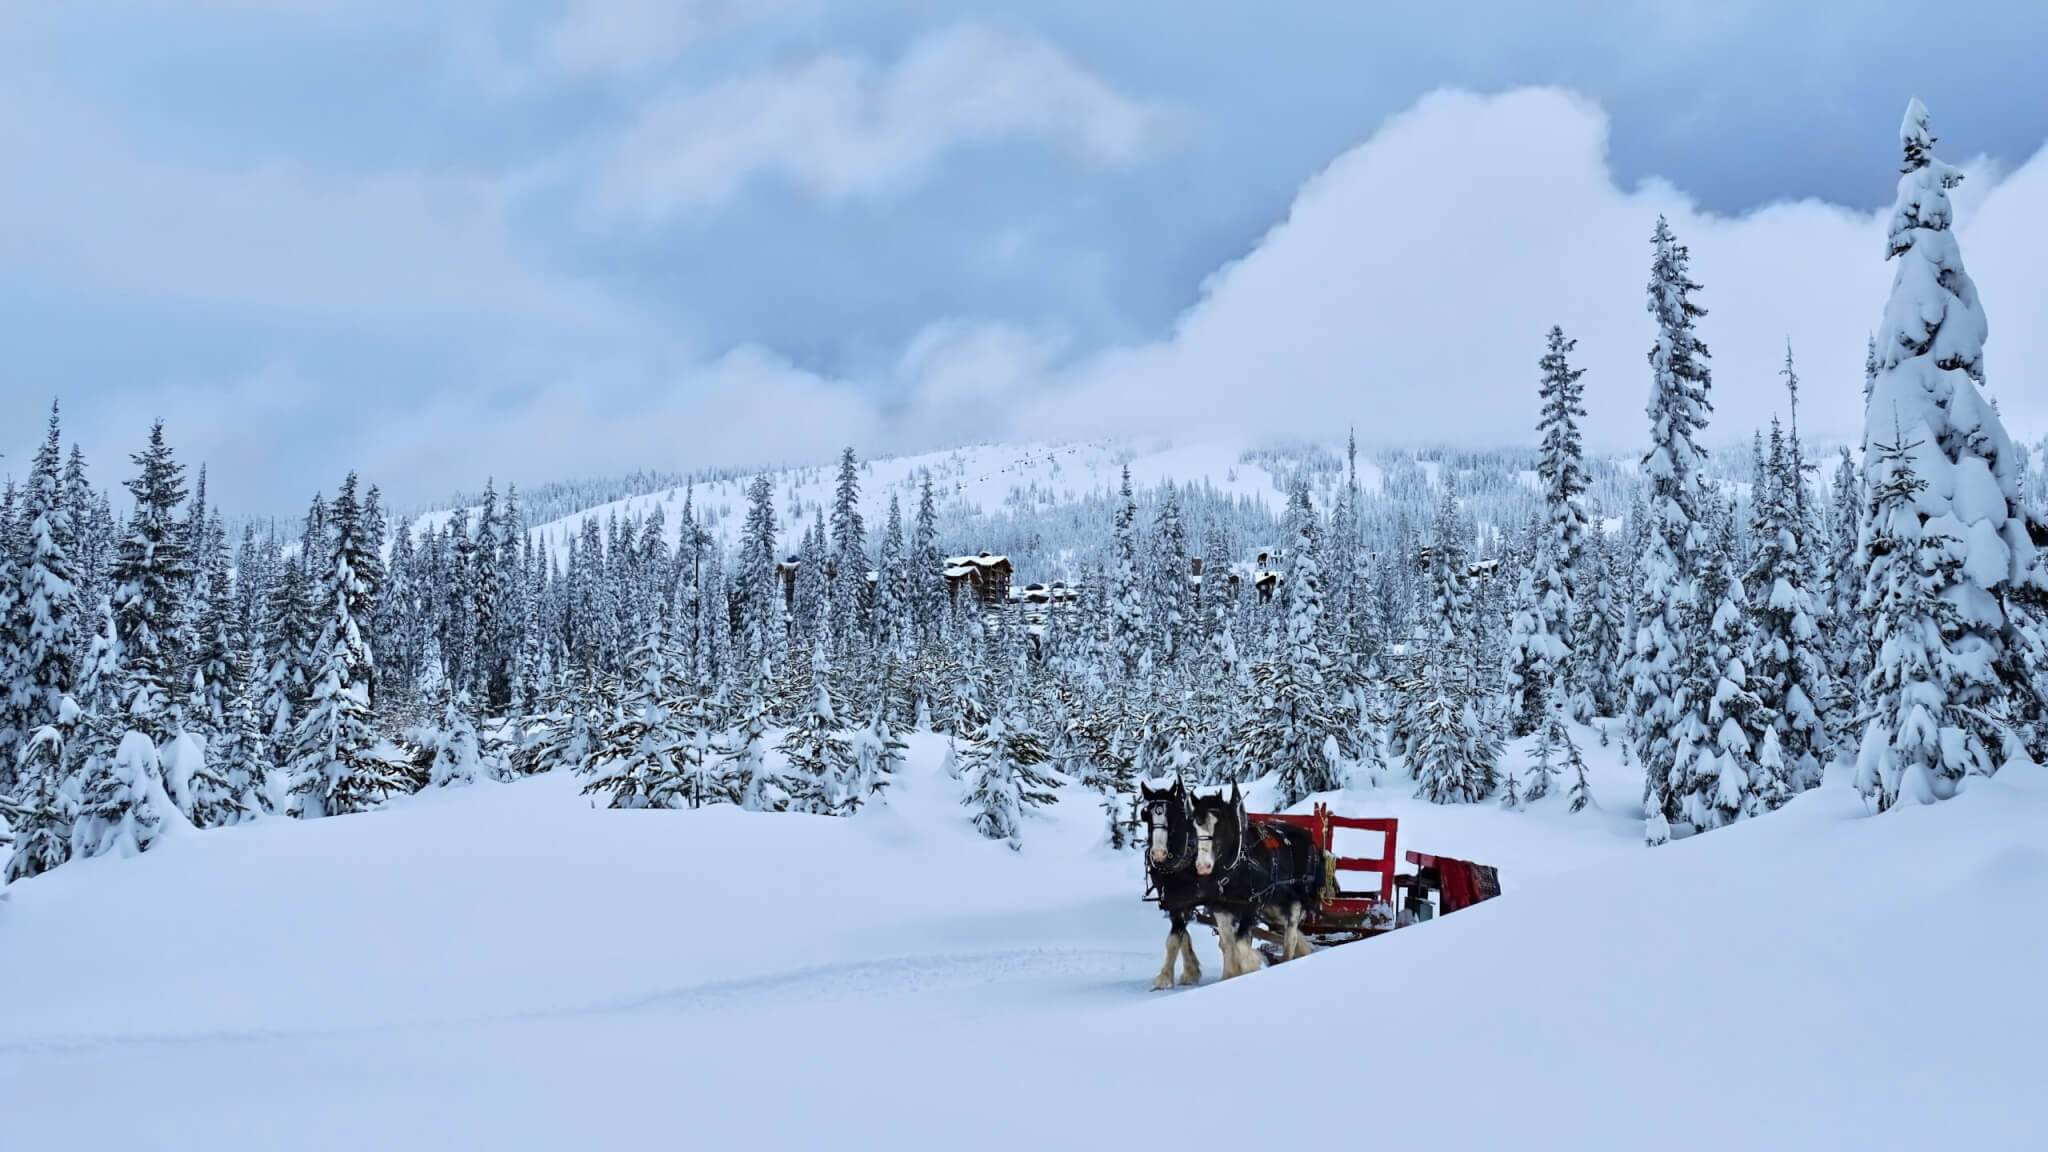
1226	943
1176	937
1190	967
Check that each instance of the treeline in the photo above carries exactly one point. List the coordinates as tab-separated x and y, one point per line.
1882	612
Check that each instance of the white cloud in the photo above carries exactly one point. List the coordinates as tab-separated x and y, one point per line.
839	126
276	238
1406	294
626	37
748	407
1408	291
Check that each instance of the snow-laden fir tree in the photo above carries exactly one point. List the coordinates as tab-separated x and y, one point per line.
1295	731
891	599
1126	591
853	596
42	810
1171	595
817	745
123	807
878	752
756	581
1561	472
810	597
1847	634
1945	535
241	751
151	572
46	626
196	784
1451	750
1538	658
1602	628
290	627
210	673
451	746
927	594
1786	669
1667	570
745	773
1729	764
337	764
1001	770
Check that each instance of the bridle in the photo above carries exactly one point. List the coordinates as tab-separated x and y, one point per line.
1222	867
1175	860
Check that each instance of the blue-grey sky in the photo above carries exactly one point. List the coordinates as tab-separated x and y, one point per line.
555	237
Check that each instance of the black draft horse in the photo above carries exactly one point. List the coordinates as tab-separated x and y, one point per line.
1170	865
1269	871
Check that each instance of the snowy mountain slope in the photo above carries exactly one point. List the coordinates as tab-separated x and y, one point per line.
980	479
502	966
1039	482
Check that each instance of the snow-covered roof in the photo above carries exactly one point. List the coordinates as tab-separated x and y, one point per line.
984	560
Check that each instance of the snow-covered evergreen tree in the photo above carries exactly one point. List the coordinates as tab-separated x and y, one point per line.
1729	765
454	755
1451	749
1296	733
1561	471
1667	570
43	809
818	746
1538	658
927	592
123	807
1946	540
1170	593
1126	603
46	628
337	762
853	596
242	751
152	571
1848	628
891	594
1001	769
1786	669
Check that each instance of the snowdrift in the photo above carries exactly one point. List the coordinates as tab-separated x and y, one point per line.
501	966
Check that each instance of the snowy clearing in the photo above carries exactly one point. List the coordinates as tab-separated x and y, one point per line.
502	966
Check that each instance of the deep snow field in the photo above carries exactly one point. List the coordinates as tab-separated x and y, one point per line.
502	966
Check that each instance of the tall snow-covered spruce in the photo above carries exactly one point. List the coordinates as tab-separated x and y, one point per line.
1557	582
1668	569
1944	530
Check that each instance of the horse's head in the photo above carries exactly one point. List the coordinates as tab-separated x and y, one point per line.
1166	819
1219	831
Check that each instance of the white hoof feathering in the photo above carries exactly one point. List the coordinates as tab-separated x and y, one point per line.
1297	944
1226	943
1190	967
1165	979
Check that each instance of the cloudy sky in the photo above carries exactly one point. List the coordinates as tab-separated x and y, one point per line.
546	238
